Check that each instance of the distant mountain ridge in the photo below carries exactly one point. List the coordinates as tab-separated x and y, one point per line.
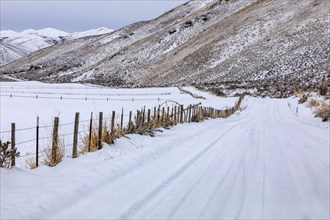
269	47
14	45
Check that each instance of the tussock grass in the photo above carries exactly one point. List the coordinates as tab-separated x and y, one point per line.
298	92
303	99
313	103
323	111
30	163
47	156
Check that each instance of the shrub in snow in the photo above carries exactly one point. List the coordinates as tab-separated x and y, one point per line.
303	99
323	89
323	111
7	154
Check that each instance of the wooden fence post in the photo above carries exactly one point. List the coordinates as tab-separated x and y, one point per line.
158	115
175	115
163	117
113	123
90	132
137	119
148	117
172	112
121	119
189	114
75	136
168	114
99	138
143	115
129	120
154	113
55	140
37	143
13	143
181	114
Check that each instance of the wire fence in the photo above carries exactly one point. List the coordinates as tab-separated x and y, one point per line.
81	98
84	93
49	87
91	133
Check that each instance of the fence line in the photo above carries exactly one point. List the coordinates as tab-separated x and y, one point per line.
107	129
81	98
84	93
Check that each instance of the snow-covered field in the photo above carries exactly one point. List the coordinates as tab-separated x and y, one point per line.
22	102
266	162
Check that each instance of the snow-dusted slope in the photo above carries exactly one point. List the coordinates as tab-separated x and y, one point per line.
92	32
14	45
270	46
261	164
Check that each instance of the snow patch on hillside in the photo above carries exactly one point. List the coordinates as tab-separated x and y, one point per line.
14	45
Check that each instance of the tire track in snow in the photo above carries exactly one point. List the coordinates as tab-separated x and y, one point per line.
190	189
188	165
250	170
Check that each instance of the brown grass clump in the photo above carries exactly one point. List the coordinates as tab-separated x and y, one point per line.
298	92
30	163
313	103
323	111
93	140
47	156
154	123
107	137
303	99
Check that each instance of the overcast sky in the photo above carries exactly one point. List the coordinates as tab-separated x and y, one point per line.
78	15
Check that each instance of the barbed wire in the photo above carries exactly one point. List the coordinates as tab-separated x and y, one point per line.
66	124
82	98
26	141
31	154
43	138
86	94
46	126
65	135
25	129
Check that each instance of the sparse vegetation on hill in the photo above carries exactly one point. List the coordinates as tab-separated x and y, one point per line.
270	47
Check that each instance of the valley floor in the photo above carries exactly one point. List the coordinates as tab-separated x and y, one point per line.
263	163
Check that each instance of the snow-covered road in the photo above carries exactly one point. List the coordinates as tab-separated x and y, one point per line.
260	164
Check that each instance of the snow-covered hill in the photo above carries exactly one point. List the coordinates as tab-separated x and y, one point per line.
14	45
272	47
92	32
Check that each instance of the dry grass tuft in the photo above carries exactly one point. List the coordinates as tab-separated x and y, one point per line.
303	99
313	103
85	142
47	156
107	137
298	92
30	163
323	111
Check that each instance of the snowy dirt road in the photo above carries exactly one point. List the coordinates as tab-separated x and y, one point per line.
260	164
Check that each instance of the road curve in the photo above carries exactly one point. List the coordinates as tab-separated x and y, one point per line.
260	164
263	164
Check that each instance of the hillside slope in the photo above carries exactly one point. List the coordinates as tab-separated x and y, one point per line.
274	47
14	45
